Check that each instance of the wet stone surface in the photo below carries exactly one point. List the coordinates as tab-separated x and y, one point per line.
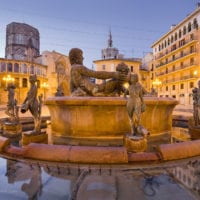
43	180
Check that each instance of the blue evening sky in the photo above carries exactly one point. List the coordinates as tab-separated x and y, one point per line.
64	24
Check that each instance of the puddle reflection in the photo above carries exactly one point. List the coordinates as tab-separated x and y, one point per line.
38	181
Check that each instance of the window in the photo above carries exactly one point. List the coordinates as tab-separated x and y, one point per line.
166	88
3	67
191	36
166	70
9	67
131	68
182	86
195	24
184	30
103	67
191	84
172	39
24	68
182	42
17	82
181	53
179	34
24	83
16	67
165	43
31	69
191	49
181	64
189	27
173	87
173	57
38	71
191	61
175	36
173	68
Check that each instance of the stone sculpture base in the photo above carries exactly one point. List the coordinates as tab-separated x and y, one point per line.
29	137
194	131
12	130
135	143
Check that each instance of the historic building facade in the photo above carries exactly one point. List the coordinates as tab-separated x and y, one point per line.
22	49
22	42
58	71
111	58
18	71
176	60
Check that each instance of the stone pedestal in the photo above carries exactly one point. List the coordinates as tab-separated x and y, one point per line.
100	118
135	143
194	131
12	129
29	137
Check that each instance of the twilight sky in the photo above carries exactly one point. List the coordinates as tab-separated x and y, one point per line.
64	24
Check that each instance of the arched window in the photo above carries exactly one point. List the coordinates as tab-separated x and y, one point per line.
131	68
31	69
24	68
165	43
184	30
9	67
172	38
189	27
16	67
195	24
38	71
179	34
3	67
175	36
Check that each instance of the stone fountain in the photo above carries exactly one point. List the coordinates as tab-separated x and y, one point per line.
96	115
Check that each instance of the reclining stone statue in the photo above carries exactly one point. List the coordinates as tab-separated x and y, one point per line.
80	78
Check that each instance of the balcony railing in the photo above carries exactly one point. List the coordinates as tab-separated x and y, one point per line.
22	67
176	58
162	54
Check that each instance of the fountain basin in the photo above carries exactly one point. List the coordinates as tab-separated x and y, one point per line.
97	120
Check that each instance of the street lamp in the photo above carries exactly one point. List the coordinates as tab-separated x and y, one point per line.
8	79
45	86
156	83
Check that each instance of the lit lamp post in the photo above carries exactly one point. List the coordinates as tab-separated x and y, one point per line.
156	83
8	79
45	86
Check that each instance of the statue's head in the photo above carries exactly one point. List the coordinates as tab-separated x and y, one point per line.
133	78
76	56
122	67
33	78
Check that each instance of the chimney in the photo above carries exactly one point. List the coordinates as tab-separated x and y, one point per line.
172	26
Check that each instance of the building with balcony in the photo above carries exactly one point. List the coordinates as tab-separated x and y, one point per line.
176	60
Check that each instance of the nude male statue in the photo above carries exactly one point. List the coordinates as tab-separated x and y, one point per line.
81	84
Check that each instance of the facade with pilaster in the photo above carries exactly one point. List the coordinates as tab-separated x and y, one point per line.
176	60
